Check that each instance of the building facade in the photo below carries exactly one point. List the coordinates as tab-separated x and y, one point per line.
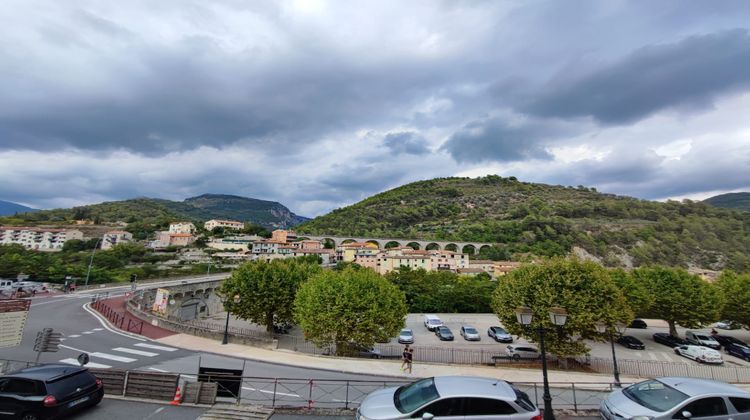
181	227
39	239
114	237
226	224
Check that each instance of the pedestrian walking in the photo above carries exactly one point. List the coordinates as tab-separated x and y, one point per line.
409	358
404	357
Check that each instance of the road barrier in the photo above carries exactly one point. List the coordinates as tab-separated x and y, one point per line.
116	318
653	368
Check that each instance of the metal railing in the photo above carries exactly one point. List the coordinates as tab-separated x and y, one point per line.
653	368
116	318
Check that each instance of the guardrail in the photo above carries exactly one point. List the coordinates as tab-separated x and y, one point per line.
653	368
117	319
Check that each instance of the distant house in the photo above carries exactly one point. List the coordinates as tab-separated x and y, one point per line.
165	239
282	235
39	239
226	224
242	243
114	237
181	227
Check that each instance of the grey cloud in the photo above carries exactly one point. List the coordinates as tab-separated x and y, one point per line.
407	142
494	139
691	73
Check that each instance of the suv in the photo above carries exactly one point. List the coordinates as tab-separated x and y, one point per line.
432	322
517	352
48	390
701	339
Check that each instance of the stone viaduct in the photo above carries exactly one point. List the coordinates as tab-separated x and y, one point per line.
464	247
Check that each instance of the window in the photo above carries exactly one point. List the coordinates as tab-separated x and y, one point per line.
20	387
741	404
443	408
705	407
487	407
655	395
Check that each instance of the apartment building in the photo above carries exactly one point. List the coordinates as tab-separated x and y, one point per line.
165	239
226	224
284	236
40	239
241	243
114	237
181	227
348	252
267	246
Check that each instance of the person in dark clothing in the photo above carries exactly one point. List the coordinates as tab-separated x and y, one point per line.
409	359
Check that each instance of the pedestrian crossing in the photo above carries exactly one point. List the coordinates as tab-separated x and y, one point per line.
121	355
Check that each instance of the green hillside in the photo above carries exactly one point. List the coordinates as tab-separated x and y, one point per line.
739	201
528	219
269	214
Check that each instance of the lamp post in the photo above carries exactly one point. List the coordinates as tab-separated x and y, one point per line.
91	260
604	328
557	316
226	326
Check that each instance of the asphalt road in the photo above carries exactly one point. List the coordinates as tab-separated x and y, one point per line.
112	409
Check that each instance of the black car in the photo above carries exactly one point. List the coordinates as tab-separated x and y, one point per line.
631	342
725	340
48	391
444	333
500	335
743	352
669	340
638	323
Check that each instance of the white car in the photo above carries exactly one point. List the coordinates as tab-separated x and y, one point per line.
699	354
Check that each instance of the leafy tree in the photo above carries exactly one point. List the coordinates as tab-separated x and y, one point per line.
584	289
349	307
638	297
443	291
680	297
266	290
736	291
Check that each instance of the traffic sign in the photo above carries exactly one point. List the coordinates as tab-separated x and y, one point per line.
13	315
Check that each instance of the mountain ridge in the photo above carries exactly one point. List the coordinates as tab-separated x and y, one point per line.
737	200
8	208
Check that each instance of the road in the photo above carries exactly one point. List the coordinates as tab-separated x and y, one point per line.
112	409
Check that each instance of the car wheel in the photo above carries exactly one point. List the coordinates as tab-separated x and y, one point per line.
516	357
29	416
676	351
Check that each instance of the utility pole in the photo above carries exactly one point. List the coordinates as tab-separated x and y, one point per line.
91	261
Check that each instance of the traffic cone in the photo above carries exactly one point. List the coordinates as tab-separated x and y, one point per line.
177	397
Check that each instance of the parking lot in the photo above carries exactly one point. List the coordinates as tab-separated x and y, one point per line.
653	351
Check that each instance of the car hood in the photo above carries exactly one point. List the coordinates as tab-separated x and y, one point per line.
472	335
619	404
405	336
379	405
502	335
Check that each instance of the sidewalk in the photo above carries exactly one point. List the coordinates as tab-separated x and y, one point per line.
382	367
150	331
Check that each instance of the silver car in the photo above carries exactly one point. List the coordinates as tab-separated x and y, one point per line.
470	333
677	398
406	336
449	397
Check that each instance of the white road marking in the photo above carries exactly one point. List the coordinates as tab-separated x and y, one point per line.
112	357
155	347
133	351
98	329
270	392
87	332
158	370
89	364
74	335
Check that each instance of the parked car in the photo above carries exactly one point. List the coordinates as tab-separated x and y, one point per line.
677	398
406	336
668	339
638	323
699	354
743	352
355	350
517	352
432	321
444	333
463	397
728	325
48	391
469	333
701	339
631	342
725	340
500	335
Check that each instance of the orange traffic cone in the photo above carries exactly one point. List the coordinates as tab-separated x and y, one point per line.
177	397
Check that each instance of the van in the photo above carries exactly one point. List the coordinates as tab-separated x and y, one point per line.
701	339
6	286
699	354
432	322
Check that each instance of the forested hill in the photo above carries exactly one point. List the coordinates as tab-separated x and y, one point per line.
740	201
269	214
538	219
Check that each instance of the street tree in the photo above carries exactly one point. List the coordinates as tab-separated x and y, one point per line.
266	290
736	291
584	289
638	297
348	307
680	297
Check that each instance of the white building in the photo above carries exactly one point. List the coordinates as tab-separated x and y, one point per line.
226	224
40	239
267	246
181	227
242	243
114	237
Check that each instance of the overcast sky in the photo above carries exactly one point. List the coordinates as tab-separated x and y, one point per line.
320	104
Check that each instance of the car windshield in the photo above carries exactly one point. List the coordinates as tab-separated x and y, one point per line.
405	332
410	397
470	330
702	337
434	322
499	330
655	395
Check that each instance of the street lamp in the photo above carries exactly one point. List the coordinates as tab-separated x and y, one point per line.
91	260
226	326
604	328
557	316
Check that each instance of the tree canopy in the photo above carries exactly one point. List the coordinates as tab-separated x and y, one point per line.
443	291
349	307
735	289
266	290
584	289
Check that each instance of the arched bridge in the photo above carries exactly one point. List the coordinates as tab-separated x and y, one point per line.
464	247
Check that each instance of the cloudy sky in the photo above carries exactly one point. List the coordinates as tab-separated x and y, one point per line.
320	104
